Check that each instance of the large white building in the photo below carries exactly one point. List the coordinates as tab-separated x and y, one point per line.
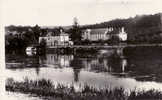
95	34
104	34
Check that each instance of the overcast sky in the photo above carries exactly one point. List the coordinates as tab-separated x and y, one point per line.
62	12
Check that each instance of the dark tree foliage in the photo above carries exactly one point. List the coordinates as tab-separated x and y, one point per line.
75	33
25	36
43	32
114	40
145	29
43	43
15	45
36	30
113	23
57	31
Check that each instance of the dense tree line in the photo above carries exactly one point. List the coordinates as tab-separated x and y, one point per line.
17	38
146	28
113	23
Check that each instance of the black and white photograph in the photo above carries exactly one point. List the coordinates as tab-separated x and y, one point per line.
81	49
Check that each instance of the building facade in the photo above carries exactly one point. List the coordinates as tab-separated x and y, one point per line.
104	34
95	34
122	34
62	39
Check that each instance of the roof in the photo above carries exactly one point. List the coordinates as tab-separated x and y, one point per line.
98	31
54	34
103	31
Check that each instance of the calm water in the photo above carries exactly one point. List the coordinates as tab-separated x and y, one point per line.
132	68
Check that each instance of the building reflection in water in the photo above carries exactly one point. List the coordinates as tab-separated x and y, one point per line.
64	61
36	65
124	64
59	60
112	63
77	65
99	71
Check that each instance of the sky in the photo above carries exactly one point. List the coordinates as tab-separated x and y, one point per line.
62	12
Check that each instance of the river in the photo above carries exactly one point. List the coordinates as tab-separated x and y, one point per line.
134	68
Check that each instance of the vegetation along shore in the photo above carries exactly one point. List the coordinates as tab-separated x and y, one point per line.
46	89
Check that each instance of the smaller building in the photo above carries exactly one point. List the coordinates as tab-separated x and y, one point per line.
64	37
60	60
61	39
122	34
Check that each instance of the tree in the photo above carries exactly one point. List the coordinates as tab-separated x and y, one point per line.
43	43
114	39
44	32
75	32
36	31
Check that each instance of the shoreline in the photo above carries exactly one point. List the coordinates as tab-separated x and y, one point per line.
45	88
107	46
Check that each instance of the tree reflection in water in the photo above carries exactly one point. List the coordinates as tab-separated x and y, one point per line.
77	65
127	70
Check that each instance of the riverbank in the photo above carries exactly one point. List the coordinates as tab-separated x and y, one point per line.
122	45
46	89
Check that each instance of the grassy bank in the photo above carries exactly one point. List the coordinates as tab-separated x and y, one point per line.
46	89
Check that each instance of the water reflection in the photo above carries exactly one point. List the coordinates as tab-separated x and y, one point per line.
145	63
31	53
77	65
55	59
114	70
124	64
113	63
